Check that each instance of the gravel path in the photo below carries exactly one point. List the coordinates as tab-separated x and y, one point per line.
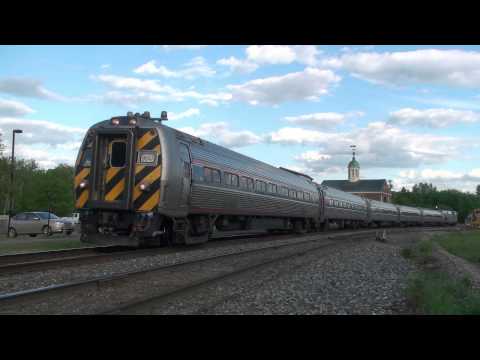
366	278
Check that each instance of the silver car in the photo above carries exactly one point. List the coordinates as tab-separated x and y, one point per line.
33	223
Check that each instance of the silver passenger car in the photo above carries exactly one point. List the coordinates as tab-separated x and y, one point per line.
432	217
33	223
383	213
410	215
450	217
344	208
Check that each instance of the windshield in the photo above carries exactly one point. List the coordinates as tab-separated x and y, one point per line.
45	216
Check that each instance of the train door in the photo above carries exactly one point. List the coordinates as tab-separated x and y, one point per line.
186	175
112	176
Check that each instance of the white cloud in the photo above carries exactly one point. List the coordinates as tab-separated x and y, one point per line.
106	66
434	118
143	90
184	114
282	54
14	108
221	134
427	66
183	47
48	143
194	68
308	84
324	119
380	145
42	132
27	87
442	179
237	65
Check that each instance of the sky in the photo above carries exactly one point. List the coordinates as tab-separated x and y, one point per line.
412	111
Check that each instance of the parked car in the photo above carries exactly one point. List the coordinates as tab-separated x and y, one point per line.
33	223
74	219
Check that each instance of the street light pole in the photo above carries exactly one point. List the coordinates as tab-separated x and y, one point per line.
12	168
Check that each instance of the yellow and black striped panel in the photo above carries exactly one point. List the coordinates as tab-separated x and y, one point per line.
147	200
81	195
114	184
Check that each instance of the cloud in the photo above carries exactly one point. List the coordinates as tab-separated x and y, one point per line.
323	120
257	55
106	66
308	84
184	114
282	54
144	90
48	143
457	68
27	87
14	108
237	65
183	47
42	132
381	145
194	68
221	134
434	118
442	179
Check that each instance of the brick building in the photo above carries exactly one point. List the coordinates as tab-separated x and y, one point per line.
375	189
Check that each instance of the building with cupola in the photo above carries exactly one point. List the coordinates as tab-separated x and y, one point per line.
375	189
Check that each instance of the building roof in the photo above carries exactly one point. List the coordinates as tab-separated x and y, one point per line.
354	163
368	185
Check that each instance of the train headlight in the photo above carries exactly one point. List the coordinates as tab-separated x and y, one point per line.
132	121
83	184
115	122
144	186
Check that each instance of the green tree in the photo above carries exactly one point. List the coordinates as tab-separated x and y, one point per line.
2	146
427	196
478	190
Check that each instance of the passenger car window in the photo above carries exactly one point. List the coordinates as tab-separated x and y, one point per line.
216	176
250	183
207	174
197	172
234	180
243	182
21	216
274	188
260	186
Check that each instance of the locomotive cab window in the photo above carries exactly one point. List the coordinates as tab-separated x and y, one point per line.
118	155
87	158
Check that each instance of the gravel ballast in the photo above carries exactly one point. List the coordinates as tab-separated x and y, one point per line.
365	278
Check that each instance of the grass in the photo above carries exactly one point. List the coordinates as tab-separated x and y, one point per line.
465	245
39	245
436	293
421	252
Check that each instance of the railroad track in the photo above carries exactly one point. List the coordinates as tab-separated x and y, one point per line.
134	288
69	257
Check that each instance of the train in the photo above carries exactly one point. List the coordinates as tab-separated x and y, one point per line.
139	182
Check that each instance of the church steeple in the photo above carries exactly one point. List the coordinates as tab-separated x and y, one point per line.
353	167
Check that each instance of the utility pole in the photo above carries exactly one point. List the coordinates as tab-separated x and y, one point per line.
12	170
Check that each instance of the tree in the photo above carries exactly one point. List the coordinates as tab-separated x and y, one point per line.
478	190
2	146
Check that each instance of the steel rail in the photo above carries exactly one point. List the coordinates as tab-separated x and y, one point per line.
99	282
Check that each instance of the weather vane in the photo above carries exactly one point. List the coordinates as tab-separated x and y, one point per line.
353	149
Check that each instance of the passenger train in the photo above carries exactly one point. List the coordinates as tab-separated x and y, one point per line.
139	182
